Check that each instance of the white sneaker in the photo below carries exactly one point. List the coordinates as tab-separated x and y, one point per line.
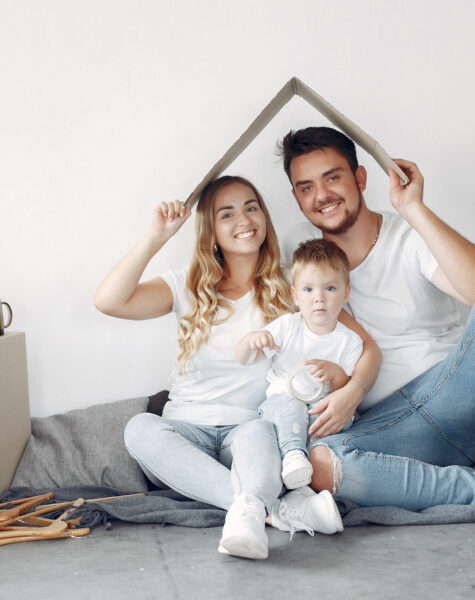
244	529
296	470
305	510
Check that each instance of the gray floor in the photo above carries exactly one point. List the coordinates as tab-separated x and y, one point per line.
151	561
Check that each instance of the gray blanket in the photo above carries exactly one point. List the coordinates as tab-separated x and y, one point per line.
82	454
169	507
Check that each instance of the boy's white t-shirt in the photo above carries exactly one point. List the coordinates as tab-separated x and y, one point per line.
392	297
216	389
298	344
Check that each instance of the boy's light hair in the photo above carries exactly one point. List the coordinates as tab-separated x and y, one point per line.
320	252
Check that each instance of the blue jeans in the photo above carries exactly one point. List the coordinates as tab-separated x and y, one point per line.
209	464
291	420
416	448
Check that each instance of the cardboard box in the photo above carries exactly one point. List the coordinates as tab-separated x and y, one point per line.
15	426
296	87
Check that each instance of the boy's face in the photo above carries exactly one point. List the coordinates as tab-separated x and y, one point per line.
320	293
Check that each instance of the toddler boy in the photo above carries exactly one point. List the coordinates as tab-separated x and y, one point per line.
320	288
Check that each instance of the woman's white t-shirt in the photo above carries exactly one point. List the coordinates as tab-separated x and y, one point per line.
216	389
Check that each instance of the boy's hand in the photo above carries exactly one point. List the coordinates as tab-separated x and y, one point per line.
258	340
335	411
325	370
254	342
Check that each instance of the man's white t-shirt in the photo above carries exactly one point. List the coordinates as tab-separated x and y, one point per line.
298	344
216	389
392	297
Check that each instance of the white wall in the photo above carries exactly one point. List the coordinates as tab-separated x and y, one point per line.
109	106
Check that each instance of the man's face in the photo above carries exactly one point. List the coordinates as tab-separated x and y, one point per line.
328	192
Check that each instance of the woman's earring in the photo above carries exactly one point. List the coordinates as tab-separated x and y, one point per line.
215	248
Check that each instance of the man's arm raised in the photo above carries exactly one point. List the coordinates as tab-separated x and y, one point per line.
454	254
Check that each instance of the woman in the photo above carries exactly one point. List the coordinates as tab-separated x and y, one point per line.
209	445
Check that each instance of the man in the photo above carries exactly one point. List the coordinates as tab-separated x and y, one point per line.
406	270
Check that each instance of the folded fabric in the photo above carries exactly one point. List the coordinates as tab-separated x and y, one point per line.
170	507
160	506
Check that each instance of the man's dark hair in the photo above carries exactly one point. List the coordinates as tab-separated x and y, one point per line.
304	141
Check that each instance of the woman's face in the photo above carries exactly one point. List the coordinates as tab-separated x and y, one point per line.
239	223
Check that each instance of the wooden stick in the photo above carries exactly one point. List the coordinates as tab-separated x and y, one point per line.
10	513
18	531
108	499
35	521
43	510
56	526
52	536
42	521
19	501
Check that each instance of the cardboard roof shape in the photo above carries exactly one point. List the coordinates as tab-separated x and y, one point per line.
295	87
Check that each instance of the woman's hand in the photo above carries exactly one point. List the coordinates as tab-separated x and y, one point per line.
168	217
121	294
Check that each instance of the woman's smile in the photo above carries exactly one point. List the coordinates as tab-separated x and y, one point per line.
244	235
240	224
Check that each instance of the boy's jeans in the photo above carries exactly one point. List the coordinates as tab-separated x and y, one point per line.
208	464
414	449
291	420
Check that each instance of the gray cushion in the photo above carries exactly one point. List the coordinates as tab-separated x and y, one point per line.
82	447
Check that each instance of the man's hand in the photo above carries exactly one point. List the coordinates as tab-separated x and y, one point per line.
406	198
325	370
454	254
335	410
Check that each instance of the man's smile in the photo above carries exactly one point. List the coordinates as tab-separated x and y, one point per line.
330	206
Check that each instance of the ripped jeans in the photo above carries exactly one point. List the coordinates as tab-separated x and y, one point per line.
415	449
291	421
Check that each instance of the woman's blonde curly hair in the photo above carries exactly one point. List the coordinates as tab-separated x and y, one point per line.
271	289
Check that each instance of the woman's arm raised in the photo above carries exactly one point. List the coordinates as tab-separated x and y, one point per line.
121	294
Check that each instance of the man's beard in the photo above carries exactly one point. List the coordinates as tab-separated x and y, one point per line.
348	222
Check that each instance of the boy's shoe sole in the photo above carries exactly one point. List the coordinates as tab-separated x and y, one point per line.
297	478
296	472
